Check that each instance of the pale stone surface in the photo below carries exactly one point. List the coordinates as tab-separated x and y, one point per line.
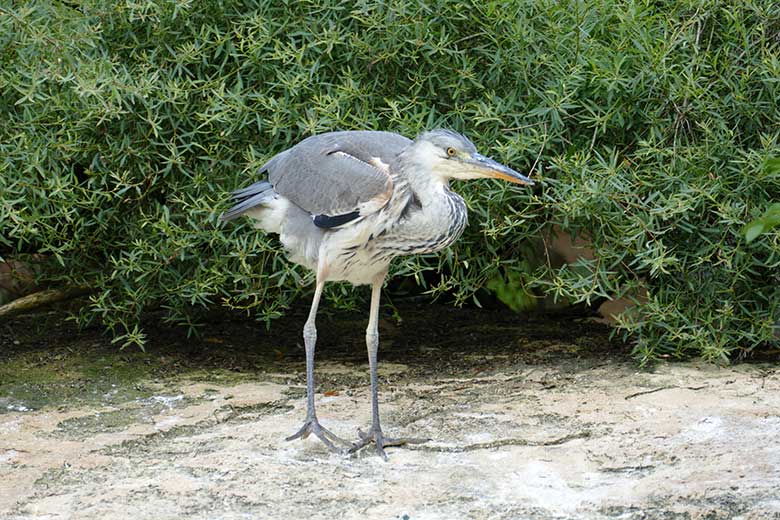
568	439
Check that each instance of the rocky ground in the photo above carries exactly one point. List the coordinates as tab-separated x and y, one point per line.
528	418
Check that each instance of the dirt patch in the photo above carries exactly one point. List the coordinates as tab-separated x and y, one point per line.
528	419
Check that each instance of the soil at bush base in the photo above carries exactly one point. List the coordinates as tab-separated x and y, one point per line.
528	418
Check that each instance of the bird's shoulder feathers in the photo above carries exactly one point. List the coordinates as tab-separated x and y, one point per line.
337	173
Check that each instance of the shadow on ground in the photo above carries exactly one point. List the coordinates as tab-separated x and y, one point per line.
529	418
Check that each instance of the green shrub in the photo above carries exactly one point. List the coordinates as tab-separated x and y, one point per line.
769	220
653	127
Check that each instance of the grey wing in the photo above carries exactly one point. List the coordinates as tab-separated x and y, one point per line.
338	173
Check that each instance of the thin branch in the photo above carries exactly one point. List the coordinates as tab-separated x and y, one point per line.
41	298
541	150
654	390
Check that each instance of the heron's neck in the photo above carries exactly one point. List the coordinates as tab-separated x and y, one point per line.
430	217
439	206
429	188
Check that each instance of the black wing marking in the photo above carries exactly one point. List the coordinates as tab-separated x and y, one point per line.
327	222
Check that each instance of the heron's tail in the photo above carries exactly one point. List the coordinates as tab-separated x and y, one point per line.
253	196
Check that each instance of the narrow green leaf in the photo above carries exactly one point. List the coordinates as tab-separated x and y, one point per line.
753	230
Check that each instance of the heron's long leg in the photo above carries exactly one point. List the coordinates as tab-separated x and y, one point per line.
311	424
375	434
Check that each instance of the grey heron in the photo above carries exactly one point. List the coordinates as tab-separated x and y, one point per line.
344	204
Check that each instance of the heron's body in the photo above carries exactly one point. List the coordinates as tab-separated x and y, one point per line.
344	204
409	218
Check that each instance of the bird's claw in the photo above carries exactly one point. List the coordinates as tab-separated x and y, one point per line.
328	438
375	436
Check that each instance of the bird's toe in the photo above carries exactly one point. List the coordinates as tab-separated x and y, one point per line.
376	437
328	438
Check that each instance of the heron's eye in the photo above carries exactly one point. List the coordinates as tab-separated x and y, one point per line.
451	151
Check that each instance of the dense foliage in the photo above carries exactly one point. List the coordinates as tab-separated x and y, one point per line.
652	126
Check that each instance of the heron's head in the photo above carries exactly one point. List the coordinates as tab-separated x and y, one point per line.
452	156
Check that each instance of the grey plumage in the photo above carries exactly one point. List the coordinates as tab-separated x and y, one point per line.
247	198
335	173
346	203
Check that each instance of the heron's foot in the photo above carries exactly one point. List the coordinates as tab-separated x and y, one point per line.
376	437
312	427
